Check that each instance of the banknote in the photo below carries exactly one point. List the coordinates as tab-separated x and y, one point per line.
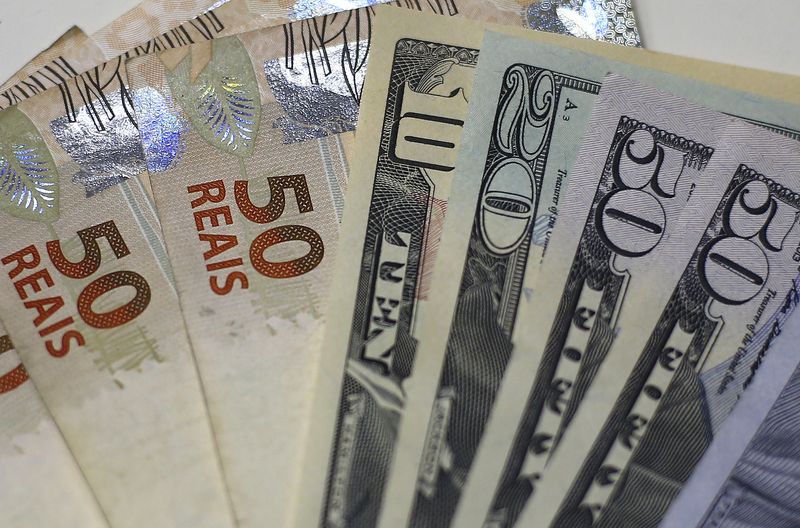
512	454
90	302
154	26
522	133
748	475
247	161
42	484
654	408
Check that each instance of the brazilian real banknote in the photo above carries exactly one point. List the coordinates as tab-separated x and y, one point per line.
500	242
42	484
400	207
748	477
74	169
667	383
246	140
89	300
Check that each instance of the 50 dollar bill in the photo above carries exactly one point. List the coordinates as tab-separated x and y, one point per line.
660	397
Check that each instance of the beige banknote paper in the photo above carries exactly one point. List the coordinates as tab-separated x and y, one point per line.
155	26
449	404
42	484
90	302
661	395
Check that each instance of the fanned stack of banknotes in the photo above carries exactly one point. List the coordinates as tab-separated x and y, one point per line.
273	263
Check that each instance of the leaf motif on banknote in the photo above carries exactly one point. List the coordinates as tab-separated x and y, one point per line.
319	81
223	101
28	175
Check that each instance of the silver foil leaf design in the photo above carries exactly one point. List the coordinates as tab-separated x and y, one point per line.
160	129
28	174
313	110
319	82
106	156
223	103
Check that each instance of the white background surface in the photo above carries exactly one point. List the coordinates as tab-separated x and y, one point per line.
28	27
761	34
757	33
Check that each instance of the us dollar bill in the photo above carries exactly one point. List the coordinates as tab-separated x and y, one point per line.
42	483
748	475
528	432
655	407
522	134
413	107
89	300
423	453
405	214
448	405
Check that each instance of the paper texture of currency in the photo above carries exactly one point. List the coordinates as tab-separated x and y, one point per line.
90	302
513	474
41	482
748	475
667	385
